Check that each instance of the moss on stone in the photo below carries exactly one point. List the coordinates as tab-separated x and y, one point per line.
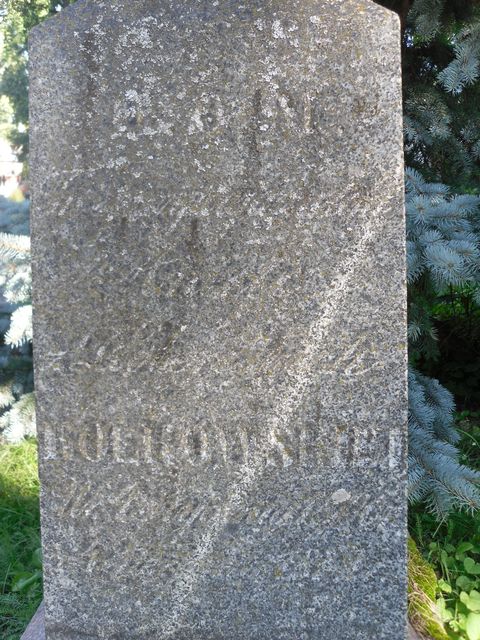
422	590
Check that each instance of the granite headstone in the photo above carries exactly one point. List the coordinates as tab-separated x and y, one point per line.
219	319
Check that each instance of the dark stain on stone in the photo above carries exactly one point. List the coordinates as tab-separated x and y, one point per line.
251	134
193	239
255	123
91	50
197	444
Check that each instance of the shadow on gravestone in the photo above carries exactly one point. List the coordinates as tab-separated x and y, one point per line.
220	320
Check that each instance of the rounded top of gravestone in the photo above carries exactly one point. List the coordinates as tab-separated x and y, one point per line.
90	12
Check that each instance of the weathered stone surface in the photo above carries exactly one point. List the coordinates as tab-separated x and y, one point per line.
36	628
220	343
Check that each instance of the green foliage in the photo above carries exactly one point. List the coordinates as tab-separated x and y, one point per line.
443	246
6	118
20	556
459	603
456	318
443	249
436	474
441	61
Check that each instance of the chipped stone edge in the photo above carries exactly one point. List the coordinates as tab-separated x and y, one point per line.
372	5
36	628
58	18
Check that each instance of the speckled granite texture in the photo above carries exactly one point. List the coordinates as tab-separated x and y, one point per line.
220	333
36	629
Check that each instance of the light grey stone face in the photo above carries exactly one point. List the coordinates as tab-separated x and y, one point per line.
220	345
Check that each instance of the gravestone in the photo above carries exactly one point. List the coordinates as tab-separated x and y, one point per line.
219	317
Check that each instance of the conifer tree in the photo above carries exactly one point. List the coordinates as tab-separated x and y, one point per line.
443	250
441	72
17	406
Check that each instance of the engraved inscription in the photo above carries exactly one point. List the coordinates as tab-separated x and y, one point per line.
148	444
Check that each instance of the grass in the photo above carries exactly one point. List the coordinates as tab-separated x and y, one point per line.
20	555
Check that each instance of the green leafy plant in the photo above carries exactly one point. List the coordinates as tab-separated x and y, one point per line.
459	604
